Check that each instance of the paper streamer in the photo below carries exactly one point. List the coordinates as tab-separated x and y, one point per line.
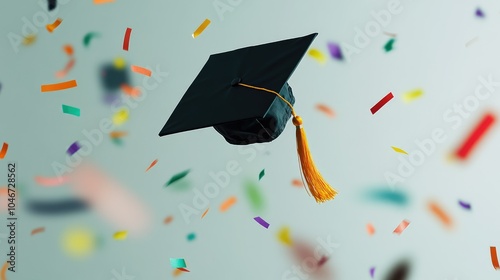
381	103
228	203
3	152
58	86
141	70
475	136
317	55
200	28
51	27
401	227
261	222
70	110
126	38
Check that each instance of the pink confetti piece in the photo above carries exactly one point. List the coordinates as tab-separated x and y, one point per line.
402	226
51	181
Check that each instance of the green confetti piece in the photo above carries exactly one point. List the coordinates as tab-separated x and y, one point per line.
117	141
177	177
191	236
389	45
254	195
70	110
88	37
262	173
177	263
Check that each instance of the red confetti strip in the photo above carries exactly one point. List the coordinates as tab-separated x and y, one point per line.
494	257
58	86
3	152
126	39
183	269
37	230
152	164
479	131
168	220
382	102
402	226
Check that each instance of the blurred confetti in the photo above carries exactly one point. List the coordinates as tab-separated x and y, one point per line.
29	39
117	134
200	28
191	236
381	103
37	230
389	45
51	27
177	263
401	227
325	110
51	181
440	213
3	152
126	38
335	50
70	110
120	235
412	95
261	222
297	183
284	236
120	117
131	91
114	75
471	41
370	229
254	195
177	177
400	271
140	70
3	272
262	173
73	148
78	242
88	37
204	213
228	203
52	4
479	13
372	272
475	136
494	257
317	55
464	204
58	86
152	164
99	2
168	220
56	207
398	150
383	194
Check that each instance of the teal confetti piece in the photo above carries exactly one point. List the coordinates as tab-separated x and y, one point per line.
254	195
262	173
88	37
177	177
177	263
117	141
389	45
191	236
70	110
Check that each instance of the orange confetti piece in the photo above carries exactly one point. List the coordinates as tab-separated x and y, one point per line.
152	164
98	2
370	229
204	213
3	152
51	27
117	134
402	226
59	86
168	220
200	28
68	49
440	214
183	269
37	230
66	69
28	40
4	271
228	203
134	92
51	181
494	257
326	110
297	183
176	272
141	70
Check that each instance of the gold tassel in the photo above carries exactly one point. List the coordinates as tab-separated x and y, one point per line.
318	187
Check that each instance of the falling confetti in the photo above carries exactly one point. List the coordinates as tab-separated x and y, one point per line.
78	242
262	173
204	213
398	150
261	222
51	27
322	261
317	55
168	220
51	181
471	41
57	207
37	230
177	177
88	37
126	38
183	269
399	272
284	236
227	203
131	91
117	134
325	110
335	50
29	40
401	227
4	271
120	117
412	95
372	272
381	103
152	164
440	213
73	148
200	28
120	235
389	45
479	13
475	136
61	74
191	236
384	194
494	257
297	183
58	86
177	263
70	110
98	2
393	35
254	196
3	152
464	205
370	229
141	70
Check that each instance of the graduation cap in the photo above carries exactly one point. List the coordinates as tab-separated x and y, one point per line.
245	96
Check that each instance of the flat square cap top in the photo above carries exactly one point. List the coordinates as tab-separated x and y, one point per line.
214	97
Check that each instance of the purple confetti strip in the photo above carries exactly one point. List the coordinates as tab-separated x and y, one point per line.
335	50
261	222
73	148
464	205
372	271
479	13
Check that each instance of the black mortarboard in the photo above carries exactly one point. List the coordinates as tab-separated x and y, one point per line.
52	4
245	96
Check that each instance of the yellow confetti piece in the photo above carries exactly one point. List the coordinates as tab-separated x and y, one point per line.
120	235
398	150
119	63
30	39
317	55
412	95
78	242
200	28
120	117
284	236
